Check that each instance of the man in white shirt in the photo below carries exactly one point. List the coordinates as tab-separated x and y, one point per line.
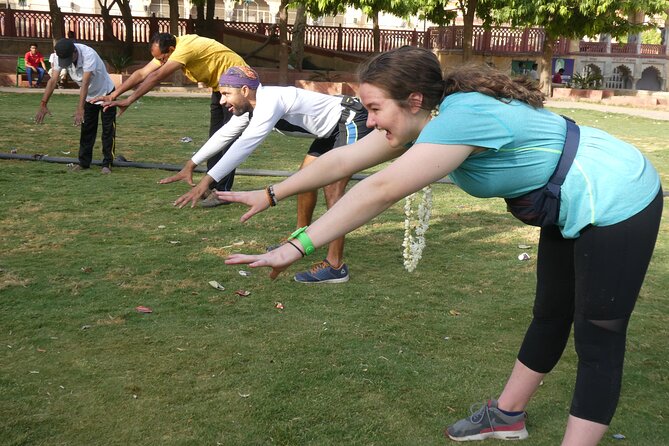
534	75
333	121
62	75
86	68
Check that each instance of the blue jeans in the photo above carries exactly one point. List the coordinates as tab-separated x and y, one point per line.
40	75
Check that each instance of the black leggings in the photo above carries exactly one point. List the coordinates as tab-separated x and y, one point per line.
592	282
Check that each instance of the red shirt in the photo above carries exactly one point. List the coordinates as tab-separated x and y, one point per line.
557	78
34	60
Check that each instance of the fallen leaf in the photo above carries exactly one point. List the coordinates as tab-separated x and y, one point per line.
242	293
234	244
454	313
278	305
143	309
244	273
86	269
524	246
216	285
161	226
41	350
244	395
175	242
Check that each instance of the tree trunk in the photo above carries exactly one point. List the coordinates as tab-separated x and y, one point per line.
468	30
376	32
57	30
283	42
545	80
174	17
297	46
209	19
126	13
199	20
107	30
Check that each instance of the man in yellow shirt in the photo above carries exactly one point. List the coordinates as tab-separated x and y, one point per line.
202	60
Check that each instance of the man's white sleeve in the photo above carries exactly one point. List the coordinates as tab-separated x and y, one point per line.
222	138
262	123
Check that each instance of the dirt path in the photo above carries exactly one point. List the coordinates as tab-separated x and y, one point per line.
650	113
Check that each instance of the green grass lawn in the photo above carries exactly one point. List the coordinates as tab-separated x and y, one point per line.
389	358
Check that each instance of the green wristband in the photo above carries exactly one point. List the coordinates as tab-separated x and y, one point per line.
304	240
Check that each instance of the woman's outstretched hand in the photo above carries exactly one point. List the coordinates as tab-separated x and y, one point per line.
278	259
257	200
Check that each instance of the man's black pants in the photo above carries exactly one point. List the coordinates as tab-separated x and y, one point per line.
89	131
219	117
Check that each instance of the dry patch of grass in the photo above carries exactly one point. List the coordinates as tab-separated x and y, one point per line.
9	279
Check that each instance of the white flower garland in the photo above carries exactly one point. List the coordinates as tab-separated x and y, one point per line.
413	244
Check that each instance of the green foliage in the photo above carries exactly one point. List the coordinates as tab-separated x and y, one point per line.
399	8
592	81
320	8
439	12
651	37
119	62
379	360
572	19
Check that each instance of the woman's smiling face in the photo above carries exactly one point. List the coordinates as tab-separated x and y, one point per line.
386	114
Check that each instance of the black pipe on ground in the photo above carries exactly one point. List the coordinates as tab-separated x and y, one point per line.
172	167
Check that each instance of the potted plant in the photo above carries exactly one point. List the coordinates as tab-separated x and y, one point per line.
584	86
119	64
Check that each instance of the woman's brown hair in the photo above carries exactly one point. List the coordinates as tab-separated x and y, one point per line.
489	81
406	70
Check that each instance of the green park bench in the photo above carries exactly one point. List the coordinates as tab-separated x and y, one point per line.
21	68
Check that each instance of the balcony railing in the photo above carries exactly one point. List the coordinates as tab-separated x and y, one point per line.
501	40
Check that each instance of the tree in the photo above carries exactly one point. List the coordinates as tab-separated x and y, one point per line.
304	8
468	8
204	22
372	8
297	44
174	17
283	42
571	19
126	14
56	21
438	12
105	12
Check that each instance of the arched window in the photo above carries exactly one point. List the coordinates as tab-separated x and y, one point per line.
620	79
651	79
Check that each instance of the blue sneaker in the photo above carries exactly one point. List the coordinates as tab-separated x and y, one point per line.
323	272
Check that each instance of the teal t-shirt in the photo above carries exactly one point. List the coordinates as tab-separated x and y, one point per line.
609	181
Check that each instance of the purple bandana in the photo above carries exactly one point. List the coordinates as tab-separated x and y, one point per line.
237	77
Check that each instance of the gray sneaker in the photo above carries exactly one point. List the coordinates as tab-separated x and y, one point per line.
211	201
488	422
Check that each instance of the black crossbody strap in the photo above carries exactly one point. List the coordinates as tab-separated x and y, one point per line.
566	159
